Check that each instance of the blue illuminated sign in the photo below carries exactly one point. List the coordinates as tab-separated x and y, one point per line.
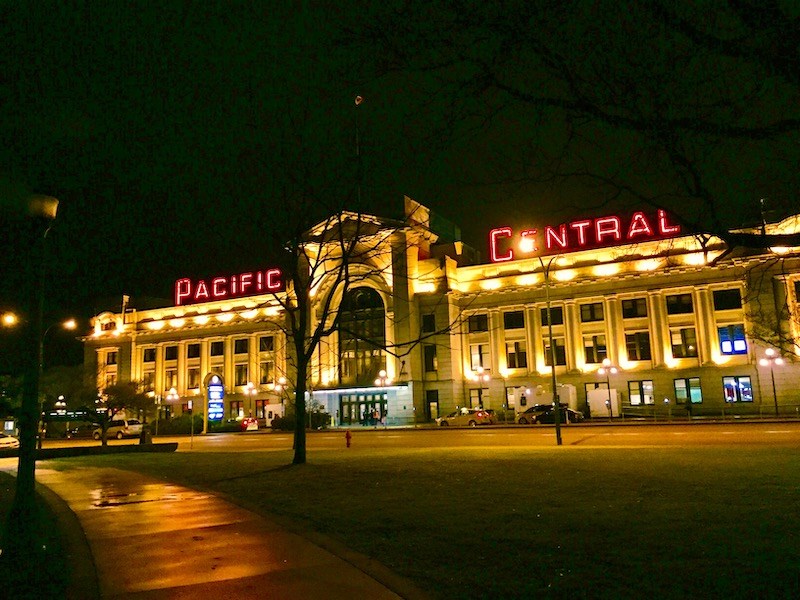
216	397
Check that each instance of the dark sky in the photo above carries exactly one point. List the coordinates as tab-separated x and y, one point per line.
163	130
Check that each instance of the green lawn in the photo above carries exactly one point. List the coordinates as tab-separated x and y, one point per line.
534	523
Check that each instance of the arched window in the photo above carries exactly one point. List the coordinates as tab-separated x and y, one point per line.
362	336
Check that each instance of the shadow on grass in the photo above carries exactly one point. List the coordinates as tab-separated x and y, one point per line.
45	574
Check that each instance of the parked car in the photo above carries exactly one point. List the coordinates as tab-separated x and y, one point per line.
8	442
84	430
120	428
545	413
467	416
249	424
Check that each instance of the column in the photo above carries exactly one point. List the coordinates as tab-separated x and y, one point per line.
204	359
705	325
227	368
158	380
496	343
533	337
660	343
615	330
574	339
182	367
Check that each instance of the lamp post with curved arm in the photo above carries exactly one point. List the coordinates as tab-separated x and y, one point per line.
771	359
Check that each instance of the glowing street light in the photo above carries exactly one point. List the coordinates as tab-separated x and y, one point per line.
10	319
771	359
383	379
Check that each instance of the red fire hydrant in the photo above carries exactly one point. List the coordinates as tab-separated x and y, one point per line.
348	436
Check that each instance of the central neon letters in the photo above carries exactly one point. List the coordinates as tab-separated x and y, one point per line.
581	235
235	286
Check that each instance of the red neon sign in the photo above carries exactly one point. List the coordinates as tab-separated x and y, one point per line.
581	235
250	283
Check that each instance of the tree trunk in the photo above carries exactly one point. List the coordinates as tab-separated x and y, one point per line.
300	414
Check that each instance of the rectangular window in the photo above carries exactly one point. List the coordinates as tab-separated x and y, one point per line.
111	358
266	343
428	323
638	345
561	352
147	381
431	363
217	349
640	392
261	409
634	307
241	374
688	389
266	372
149	355
476	398
679	304
737	389
170	378
237	410
514	320
171	353
516	355
591	312
111	379
558	315
478	323
479	356
727	299
241	346
684	342
595	348
732	340
193	380
193	351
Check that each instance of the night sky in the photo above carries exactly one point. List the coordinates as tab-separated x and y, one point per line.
171	133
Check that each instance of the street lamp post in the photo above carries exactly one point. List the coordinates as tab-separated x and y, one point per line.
556	400
771	359
21	532
69	325
608	370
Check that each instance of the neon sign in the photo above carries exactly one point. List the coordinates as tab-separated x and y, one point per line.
581	235
234	286
216	395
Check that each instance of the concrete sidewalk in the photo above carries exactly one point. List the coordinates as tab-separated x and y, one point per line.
154	539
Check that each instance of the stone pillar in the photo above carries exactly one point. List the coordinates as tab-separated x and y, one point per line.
615	330
573	335
660	343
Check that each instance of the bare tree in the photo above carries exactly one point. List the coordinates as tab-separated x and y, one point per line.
691	107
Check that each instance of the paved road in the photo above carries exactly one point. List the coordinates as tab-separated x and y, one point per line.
629	434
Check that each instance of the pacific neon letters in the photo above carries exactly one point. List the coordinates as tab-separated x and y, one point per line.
582	234
250	283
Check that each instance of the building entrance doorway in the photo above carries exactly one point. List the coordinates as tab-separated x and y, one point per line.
362	409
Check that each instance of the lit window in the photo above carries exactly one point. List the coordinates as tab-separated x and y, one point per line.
732	340
684	342
241	374
640	392
111	358
688	390
479	357
560	350
737	389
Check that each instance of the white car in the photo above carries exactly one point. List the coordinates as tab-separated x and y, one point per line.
8	442
120	428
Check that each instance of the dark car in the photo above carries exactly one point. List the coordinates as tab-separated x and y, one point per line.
84	430
545	413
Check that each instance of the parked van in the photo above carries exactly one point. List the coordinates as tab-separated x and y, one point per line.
120	428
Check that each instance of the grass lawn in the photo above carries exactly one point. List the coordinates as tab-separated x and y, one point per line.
706	522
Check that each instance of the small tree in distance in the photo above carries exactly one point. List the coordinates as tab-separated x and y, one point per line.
118	398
